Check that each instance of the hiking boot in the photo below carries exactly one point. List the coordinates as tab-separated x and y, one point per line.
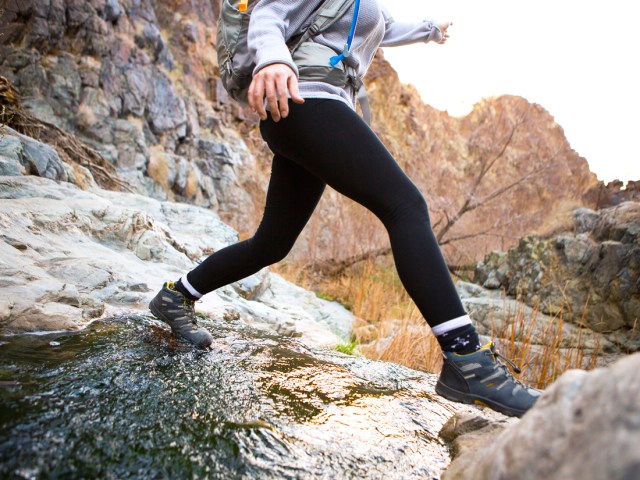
480	378
174	308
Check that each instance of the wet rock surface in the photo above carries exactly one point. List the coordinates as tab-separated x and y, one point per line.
123	398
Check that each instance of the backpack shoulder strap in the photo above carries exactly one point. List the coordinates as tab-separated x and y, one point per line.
328	14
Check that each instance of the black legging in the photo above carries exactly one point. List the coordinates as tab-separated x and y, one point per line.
325	142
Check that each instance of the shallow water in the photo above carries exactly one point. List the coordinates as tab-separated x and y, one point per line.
123	399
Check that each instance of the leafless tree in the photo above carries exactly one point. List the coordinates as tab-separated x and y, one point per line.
476	196
487	155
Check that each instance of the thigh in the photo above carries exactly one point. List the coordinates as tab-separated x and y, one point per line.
330	140
292	196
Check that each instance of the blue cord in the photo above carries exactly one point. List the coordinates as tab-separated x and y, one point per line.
347	48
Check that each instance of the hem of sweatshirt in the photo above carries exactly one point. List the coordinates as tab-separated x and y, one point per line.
324	90
327	96
320	95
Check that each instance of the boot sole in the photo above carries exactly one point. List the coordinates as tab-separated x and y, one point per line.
470	399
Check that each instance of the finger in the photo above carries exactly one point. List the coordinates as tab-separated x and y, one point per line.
272	100
250	94
257	99
293	89
283	99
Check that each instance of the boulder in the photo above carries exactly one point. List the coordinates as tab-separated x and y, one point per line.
497	315
24	155
586	426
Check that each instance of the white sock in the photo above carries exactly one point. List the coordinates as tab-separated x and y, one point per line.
451	325
189	287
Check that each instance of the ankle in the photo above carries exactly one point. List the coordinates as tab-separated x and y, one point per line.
462	340
179	287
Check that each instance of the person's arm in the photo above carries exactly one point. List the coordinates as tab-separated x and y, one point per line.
275	77
401	33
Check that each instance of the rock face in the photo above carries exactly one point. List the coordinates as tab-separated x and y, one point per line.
68	256
589	275
504	143
587	426
132	79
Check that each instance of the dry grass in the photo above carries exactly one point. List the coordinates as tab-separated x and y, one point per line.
539	349
389	327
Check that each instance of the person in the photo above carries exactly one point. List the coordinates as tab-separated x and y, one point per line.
318	139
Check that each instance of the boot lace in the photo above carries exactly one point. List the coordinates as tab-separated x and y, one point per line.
497	355
189	306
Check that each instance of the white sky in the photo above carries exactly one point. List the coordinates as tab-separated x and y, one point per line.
580	60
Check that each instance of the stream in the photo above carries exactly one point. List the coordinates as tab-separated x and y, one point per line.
124	399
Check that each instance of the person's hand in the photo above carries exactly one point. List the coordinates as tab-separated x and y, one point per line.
276	82
443	29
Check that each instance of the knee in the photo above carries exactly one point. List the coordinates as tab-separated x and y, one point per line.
270	249
411	205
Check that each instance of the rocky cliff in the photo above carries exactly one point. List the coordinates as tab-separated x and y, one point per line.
133	79
137	80
500	172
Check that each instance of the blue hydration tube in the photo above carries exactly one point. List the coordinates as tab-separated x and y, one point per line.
346	52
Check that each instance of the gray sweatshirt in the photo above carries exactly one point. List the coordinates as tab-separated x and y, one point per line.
273	22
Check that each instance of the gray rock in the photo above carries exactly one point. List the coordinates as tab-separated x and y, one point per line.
467	432
112	10
470	290
585	219
10	145
45	162
166	110
93	116
137	88
36	158
10	167
67	256
151	39
254	286
64	83
586	425
577	250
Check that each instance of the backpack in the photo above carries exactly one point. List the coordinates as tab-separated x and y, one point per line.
312	59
